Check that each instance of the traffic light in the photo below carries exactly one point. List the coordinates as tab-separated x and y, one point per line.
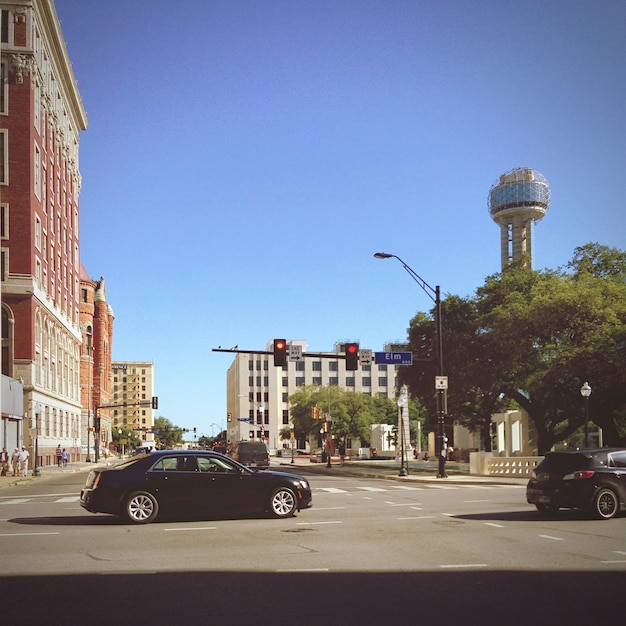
229	417
280	352
155	402
352	356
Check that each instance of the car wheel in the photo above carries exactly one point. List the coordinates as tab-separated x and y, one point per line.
283	502
141	507
605	504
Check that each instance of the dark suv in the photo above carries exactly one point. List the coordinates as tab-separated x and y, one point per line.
250	453
593	480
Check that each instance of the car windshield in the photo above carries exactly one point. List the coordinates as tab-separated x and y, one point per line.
564	462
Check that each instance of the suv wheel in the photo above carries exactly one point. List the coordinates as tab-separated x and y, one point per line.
141	507
283	502
605	504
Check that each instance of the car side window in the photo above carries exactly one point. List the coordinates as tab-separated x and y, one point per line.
168	464
211	464
618	459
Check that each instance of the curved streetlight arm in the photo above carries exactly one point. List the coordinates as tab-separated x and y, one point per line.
430	292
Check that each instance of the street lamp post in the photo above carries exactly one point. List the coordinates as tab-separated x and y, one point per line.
435	295
585	392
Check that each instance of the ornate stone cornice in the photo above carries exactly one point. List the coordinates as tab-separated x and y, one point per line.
23	65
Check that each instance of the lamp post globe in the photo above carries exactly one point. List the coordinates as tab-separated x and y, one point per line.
585	392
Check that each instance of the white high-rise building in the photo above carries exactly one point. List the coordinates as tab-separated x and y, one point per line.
259	391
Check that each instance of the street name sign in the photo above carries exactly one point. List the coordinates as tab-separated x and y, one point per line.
245	419
393	358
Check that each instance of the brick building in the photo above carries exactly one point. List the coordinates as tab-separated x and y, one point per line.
41	116
96	379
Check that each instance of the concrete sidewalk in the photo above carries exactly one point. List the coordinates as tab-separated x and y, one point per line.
49	471
418	471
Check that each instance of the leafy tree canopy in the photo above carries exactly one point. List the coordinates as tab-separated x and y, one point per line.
531	339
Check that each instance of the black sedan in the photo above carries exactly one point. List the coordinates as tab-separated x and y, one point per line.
191	482
592	480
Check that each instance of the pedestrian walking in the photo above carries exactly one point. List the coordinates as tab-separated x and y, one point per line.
342	453
15	461
64	456
59	455
24	456
4	462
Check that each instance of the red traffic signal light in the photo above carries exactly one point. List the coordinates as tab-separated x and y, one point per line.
352	356
280	352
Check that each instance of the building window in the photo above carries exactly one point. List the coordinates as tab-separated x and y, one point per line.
317	380
333	366
367	381
382	381
4	89
299	381
37	232
300	366
4	221
350	382
37	172
285	381
333	380
4	156
285	397
285	416
317	366
4	27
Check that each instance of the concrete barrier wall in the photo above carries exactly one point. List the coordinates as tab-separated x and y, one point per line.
485	464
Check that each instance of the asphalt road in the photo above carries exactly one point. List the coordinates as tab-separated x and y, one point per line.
368	550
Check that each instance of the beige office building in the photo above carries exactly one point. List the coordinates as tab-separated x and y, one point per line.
133	386
259	391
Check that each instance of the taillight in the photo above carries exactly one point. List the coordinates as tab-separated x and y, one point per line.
579	475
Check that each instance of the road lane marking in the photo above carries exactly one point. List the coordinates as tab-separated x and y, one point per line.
192	528
316	523
16	501
551	537
26	534
411	504
463	565
372	489
494	524
417	517
304	570
332	490
330	508
475	501
68	499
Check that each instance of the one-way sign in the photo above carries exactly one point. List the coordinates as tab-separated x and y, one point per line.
393	358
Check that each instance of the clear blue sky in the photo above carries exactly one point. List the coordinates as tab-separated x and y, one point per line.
245	159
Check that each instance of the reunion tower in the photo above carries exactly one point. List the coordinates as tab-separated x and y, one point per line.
516	200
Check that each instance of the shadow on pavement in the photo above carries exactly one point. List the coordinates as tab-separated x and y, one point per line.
205	597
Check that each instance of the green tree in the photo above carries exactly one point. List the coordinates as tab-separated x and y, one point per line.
352	413
122	433
531	339
166	434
